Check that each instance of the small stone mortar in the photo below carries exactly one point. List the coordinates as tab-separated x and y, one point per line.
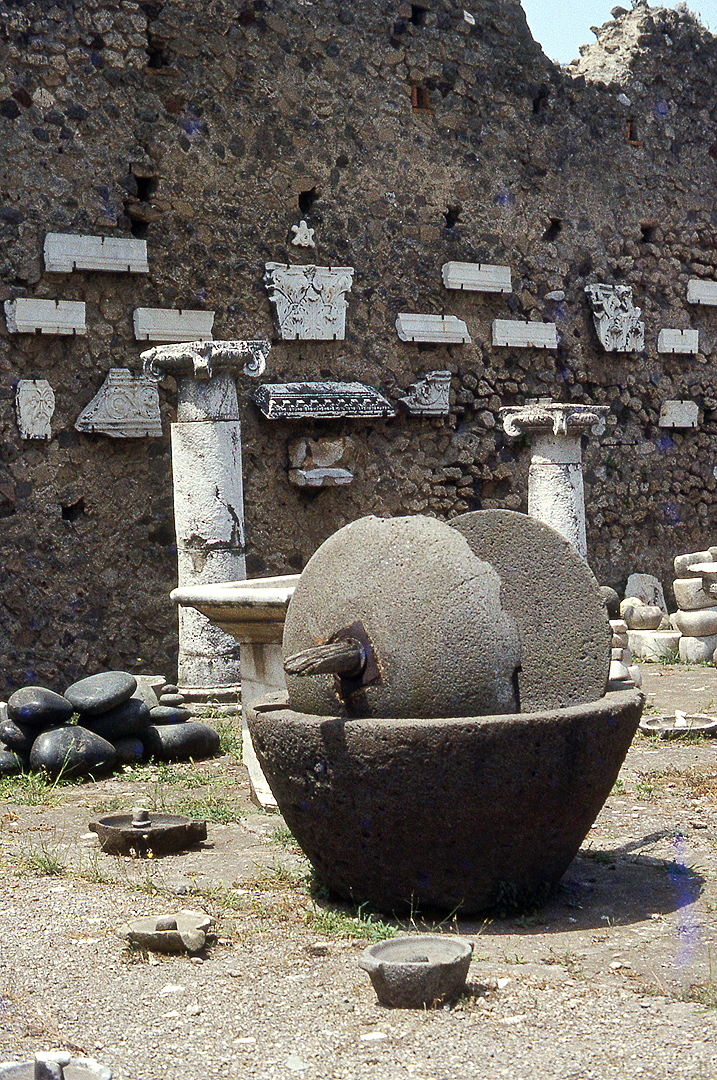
418	971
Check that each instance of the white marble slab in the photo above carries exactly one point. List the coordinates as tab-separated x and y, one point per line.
437	329
700	291
679	414
525	335
34	405
172	324
477	277
65	252
678	341
29	316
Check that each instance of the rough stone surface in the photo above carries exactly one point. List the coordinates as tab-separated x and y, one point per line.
654	645
682	562
130	750
443	643
160	121
697	650
696	623
179	742
72	750
690	595
185	931
611	600
555	601
126	719
99	693
451	812
647	588
38	707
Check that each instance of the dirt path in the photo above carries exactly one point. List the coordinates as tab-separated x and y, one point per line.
613	977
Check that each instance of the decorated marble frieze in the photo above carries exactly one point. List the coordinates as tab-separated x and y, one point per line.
34	407
428	396
310	301
320	401
125	407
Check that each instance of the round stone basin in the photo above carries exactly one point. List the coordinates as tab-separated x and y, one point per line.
418	970
161	834
474	813
250	610
668	727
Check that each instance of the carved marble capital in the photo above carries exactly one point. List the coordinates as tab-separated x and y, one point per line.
310	300
554	418
201	359
428	396
616	320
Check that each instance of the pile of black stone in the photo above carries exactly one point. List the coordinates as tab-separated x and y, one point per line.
114	725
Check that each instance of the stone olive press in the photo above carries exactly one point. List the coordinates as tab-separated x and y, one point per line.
446	738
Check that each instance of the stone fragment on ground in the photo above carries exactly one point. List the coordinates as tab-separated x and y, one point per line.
179	742
185	931
72	750
39	707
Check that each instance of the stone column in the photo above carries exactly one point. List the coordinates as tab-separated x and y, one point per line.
208	498
555	480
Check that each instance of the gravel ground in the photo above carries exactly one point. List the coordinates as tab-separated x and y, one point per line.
615	976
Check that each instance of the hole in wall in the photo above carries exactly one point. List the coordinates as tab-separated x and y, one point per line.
647	231
139	229
146	186
307	200
452	215
418	15
632	138
421	99
553	230
540	100
73	511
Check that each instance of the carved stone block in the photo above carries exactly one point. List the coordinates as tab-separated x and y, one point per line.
700	291
173	325
678	341
125	407
428	396
616	320
320	400
65	252
310	300
34	406
321	462
477	277
679	414
28	316
437	329
525	335
303	235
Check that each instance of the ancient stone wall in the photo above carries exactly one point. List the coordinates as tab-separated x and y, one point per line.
407	136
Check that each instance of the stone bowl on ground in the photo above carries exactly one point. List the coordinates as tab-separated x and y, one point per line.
672	727
471	813
70	1068
160	835
418	970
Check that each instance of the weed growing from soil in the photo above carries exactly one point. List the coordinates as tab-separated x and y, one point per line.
283	837
45	860
364	925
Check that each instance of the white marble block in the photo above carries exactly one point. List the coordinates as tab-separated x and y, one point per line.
125	407
700	291
29	316
172	324
679	414
65	252
310	300
437	329
34	406
678	341
525	335
477	277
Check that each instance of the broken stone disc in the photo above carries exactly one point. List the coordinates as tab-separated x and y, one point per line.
552	594
160	834
68	1067
670	727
